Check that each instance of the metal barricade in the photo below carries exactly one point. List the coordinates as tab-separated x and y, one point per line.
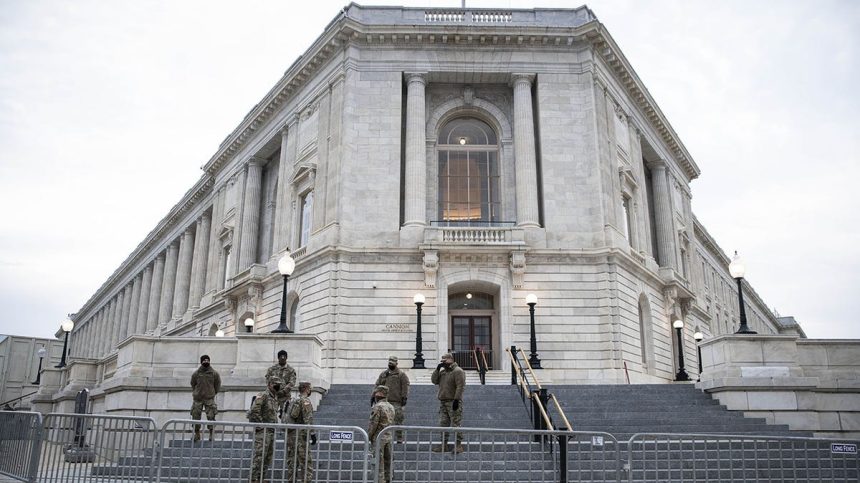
496	455
339	455
717	457
88	447
20	441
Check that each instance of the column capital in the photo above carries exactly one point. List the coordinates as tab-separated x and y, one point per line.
418	77
256	161
656	164
520	78
291	121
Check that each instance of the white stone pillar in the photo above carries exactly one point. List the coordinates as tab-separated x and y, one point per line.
155	293
143	304
114	322
415	175
183	273
214	254
201	260
283	195
251	214
663	214
126	310
104	330
239	189
135	305
168	283
524	151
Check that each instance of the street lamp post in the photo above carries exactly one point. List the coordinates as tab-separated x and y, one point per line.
737	269
682	374
67	327
41	352
286	265
698	336
249	325
418	361
534	361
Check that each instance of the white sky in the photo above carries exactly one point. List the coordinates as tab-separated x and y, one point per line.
109	108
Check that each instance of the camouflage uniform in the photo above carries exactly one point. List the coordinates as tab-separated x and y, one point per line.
300	463
397	383
451	382
288	374
264	410
381	416
205	384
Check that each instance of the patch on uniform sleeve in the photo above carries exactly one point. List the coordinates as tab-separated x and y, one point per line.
307	403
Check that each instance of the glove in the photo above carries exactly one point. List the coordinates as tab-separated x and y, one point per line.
456	404
313	440
372	400
403	402
440	366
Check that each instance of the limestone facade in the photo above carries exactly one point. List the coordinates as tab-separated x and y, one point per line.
588	194
19	367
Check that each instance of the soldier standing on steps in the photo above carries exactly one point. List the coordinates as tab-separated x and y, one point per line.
300	463
397	383
264	410
451	381
205	384
288	374
381	416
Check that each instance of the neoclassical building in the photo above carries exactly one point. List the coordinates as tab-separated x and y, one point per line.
471	156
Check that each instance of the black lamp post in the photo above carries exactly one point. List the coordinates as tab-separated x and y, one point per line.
41	352
418	361
698	336
682	374
286	265
737	269
534	361
249	325
67	327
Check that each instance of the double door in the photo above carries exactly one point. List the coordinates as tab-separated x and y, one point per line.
468	334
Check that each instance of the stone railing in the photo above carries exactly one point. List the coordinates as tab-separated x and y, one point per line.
465	16
811	385
301	252
474	236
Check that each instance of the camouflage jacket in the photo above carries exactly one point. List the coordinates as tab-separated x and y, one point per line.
264	409
205	383
451	381
301	411
397	382
381	417
288	374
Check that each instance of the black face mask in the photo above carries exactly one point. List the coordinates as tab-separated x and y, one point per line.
276	387
392	366
205	364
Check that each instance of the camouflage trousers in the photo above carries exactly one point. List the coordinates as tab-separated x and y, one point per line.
399	417
264	445
448	417
385	459
197	408
300	462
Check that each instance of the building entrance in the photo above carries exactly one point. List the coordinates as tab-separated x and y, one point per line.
471	335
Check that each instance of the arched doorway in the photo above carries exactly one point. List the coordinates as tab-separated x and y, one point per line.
473	328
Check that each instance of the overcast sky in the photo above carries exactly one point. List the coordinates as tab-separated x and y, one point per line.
109	108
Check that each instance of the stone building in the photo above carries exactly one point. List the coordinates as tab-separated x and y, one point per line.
471	156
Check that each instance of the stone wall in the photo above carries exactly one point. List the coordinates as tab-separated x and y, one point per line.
811	385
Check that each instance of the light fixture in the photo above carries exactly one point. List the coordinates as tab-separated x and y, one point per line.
41	353
737	267
418	360
682	375
249	324
286	265
67	326
534	360
219	333
678	324
462	141
531	299
469	295
418	299
698	336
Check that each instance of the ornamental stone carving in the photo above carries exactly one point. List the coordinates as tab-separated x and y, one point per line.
431	266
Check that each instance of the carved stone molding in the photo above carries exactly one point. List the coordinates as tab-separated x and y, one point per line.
518	267
431	266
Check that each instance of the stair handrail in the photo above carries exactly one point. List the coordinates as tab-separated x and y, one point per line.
475	357
526	390
523	383
19	398
561	412
484	357
531	371
482	370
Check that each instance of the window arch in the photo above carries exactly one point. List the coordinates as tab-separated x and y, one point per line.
295	315
646	333
468	155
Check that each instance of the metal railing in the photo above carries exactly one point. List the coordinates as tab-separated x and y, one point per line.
8	404
89	447
498	455
716	457
20	442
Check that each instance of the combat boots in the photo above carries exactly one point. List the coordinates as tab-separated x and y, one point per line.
197	434
211	434
442	448
459	448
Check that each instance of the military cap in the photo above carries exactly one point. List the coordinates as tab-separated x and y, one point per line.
392	359
447	355
382	389
276	380
204	357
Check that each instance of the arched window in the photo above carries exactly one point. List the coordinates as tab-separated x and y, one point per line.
295	316
646	334
468	151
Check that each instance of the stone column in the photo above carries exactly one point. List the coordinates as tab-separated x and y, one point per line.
155	293
113	318
214	255
201	260
237	227
251	215
126	310
134	306
104	333
183	273
166	308
143	305
524	151
663	214
282	197
415	171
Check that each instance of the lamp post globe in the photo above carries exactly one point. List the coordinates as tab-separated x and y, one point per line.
249	324
418	360
286	265
67	326
219	333
737	269
698	336
682	375
41	353
534	360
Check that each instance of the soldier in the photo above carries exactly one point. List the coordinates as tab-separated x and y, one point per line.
398	390
451	381
288	374
300	464
205	384
264	410
381	416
